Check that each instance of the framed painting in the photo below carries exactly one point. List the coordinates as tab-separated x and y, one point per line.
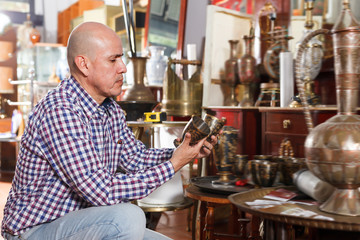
244	6
320	7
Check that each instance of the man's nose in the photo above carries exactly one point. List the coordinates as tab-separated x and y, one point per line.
121	67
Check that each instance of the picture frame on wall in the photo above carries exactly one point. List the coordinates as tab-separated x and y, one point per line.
243	6
320	7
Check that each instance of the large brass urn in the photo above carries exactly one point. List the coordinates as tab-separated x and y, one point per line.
332	148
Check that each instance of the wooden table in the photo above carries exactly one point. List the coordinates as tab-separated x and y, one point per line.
323	226
208	201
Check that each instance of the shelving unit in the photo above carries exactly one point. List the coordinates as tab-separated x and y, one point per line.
75	10
36	67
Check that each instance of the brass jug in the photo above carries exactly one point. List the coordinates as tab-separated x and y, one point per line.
182	97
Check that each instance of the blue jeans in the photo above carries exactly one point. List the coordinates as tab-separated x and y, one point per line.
121	221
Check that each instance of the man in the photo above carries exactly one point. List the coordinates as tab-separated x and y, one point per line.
66	183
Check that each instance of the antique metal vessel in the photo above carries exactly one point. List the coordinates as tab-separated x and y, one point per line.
138	91
332	148
263	172
182	97
247	68
197	128
138	98
214	124
231	74
240	167
225	152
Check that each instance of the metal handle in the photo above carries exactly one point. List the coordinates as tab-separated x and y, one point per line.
19	82
299	83
11	103
286	123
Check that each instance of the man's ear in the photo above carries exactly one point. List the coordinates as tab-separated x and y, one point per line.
82	64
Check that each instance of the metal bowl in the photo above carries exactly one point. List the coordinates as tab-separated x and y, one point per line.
288	166
263	172
240	168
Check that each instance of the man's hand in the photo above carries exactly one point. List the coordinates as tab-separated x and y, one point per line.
185	153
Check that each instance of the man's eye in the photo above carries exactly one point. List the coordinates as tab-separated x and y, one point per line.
113	60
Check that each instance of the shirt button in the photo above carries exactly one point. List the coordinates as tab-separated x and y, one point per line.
119	141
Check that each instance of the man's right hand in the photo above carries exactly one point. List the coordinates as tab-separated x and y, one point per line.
185	153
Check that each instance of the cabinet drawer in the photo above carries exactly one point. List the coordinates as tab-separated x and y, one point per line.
285	122
272	143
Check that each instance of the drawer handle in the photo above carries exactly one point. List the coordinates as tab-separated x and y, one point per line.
286	123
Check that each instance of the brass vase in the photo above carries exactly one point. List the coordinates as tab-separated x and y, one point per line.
225	152
231	74
138	91
332	148
247	68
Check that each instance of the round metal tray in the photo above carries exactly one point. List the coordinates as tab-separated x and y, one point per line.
205	184
344	223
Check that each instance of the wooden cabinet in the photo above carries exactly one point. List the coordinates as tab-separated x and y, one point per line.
8	65
8	152
248	121
288	123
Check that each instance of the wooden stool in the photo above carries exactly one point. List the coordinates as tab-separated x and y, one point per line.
208	202
153	211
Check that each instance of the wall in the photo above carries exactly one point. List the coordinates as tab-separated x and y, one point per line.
195	26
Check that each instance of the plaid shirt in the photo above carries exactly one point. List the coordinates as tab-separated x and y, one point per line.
69	156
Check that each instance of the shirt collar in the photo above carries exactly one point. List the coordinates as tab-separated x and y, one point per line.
86	101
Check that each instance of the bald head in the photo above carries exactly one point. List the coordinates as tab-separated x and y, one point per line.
86	39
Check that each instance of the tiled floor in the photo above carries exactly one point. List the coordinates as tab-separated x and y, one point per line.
171	224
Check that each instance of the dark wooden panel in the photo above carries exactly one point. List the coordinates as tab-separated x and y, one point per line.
274	130
273	142
285	123
248	122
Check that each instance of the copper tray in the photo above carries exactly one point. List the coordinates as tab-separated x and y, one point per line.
205	184
344	223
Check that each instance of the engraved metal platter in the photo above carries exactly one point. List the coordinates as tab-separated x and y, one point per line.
206	184
277	213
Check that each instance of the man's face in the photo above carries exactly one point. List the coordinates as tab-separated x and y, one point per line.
107	68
